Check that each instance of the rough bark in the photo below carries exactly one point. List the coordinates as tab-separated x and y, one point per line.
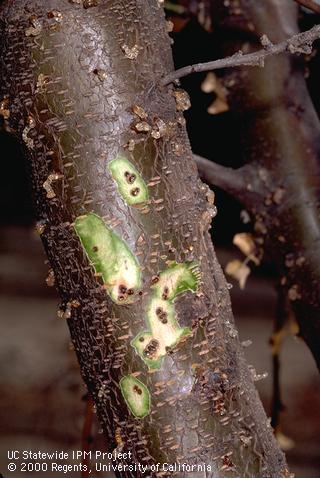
281	147
70	87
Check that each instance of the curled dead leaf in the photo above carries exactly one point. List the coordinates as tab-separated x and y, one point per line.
285	442
244	241
239	271
218	106
209	84
212	84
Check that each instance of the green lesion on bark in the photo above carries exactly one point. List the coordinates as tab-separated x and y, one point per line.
136	396
176	279
164	334
111	258
130	184
164	331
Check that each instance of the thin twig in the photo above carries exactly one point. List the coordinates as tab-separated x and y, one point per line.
300	43
311	4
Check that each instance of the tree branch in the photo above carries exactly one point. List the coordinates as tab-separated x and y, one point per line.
310	4
225	178
280	143
240	183
300	43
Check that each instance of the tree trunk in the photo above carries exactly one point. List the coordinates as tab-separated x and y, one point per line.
79	86
279	183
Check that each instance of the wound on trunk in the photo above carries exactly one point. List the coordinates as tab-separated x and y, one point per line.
176	279
136	395
130	184
164	331
111	258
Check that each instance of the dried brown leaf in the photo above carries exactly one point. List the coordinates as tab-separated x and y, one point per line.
245	242
239	271
209	84
212	84
218	106
285	442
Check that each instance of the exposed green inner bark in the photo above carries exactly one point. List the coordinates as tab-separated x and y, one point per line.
176	279
164	328
136	395
130	184
110	257
165	332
